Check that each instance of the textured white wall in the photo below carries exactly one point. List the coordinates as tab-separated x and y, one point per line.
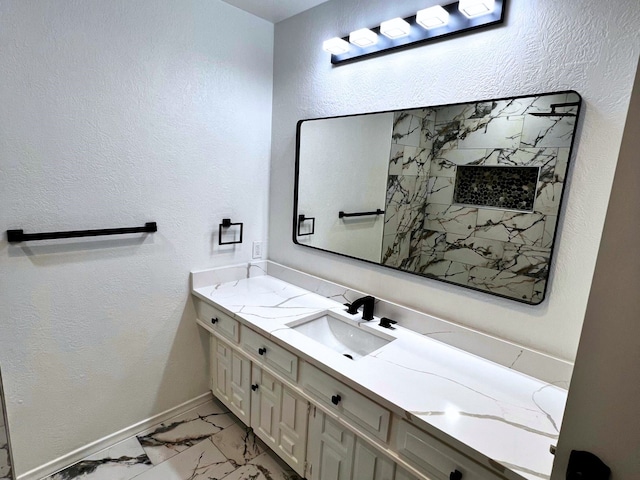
587	45
602	408
115	113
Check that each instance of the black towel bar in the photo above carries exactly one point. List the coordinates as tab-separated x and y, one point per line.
341	214
16	236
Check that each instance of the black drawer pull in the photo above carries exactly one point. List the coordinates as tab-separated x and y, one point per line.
335	399
214	320
254	387
455	475
262	350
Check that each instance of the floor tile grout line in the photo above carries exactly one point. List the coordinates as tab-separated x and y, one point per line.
224	412
212	401
187	451
246	437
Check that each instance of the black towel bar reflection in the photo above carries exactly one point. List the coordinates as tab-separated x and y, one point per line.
342	214
226	223
16	236
301	219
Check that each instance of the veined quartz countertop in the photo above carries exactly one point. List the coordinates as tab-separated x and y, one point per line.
486	411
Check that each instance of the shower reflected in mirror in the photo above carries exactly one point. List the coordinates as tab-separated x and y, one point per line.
467	193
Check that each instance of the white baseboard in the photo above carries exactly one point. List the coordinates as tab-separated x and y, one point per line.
128	432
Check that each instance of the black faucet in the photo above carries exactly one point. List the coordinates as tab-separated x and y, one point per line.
366	302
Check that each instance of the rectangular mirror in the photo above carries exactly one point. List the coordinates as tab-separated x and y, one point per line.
467	193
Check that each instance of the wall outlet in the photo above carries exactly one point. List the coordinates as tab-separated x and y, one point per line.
257	250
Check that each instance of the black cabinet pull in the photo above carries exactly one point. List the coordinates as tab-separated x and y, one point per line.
214	320
262	350
254	387
455	475
335	399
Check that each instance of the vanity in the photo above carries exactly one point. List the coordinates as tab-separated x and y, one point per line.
337	397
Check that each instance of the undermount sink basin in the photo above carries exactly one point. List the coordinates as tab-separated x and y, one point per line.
343	336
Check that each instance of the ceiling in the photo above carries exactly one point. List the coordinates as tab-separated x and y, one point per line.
274	10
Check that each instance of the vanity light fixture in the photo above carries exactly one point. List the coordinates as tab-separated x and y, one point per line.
363	37
335	46
433	23
395	28
432	17
476	8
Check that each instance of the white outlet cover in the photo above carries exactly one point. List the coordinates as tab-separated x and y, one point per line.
257	250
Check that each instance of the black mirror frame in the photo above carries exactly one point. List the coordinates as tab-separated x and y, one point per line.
560	203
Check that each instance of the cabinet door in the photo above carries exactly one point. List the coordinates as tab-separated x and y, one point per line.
292	434
240	387
230	378
265	406
330	449
370	464
402	474
220	357
279	418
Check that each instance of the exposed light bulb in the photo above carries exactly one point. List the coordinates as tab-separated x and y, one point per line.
363	37
395	28
432	17
476	8
335	46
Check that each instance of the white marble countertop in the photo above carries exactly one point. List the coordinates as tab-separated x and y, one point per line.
487	411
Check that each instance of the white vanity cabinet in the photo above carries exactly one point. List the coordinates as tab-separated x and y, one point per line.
368	463
439	459
279	418
320	426
337	454
345	401
269	354
402	474
231	378
218	321
275	412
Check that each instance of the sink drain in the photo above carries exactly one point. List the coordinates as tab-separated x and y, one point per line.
348	356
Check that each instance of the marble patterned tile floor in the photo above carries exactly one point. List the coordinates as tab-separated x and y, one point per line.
206	443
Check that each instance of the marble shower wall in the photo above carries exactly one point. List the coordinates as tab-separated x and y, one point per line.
488	248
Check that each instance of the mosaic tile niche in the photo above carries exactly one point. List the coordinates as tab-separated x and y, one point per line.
474	190
501	187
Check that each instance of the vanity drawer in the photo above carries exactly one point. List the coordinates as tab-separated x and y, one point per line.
219	322
270	354
437	458
347	402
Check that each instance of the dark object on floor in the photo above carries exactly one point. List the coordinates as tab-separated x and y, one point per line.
586	466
